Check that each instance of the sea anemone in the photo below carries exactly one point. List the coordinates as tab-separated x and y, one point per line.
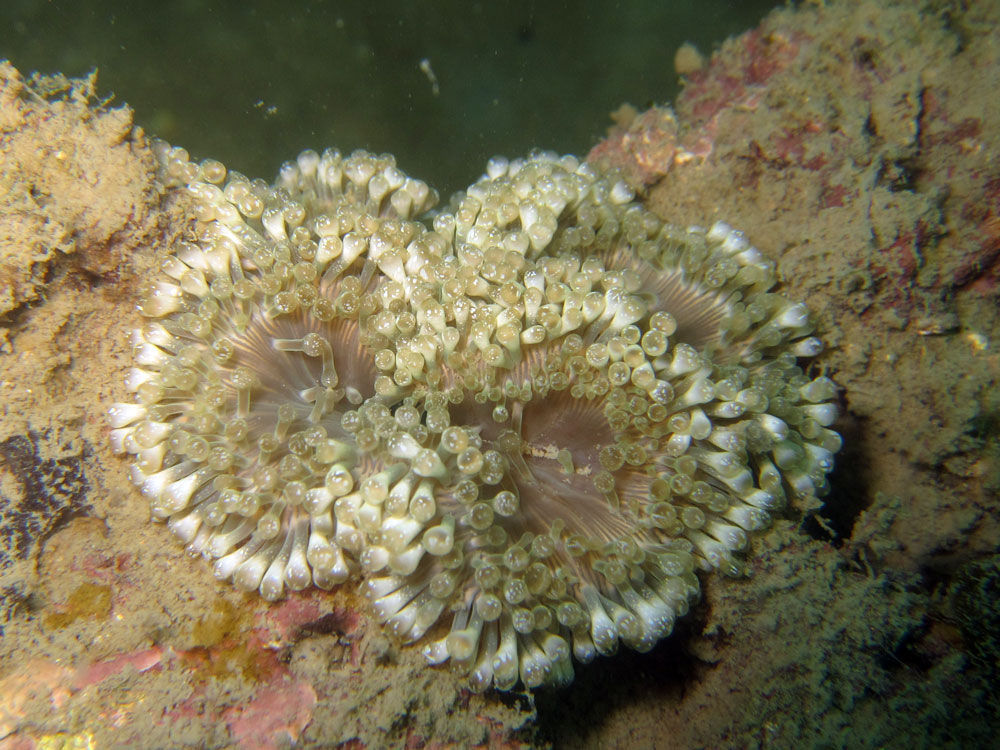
524	421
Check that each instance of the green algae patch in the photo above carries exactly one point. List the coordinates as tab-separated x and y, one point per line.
224	621
89	601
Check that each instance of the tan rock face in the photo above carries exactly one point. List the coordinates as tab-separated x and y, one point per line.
69	180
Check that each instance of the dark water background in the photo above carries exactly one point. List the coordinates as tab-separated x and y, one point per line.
253	83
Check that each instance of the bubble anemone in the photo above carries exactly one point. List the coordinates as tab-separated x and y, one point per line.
524	422
255	354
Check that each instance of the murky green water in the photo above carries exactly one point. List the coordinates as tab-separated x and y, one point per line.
254	83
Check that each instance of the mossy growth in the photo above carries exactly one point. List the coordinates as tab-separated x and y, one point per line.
88	601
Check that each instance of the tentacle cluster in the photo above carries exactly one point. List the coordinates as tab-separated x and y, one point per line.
523	421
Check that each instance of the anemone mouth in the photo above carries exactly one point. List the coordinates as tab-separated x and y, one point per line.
287	375
699	311
552	447
552	444
563	434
